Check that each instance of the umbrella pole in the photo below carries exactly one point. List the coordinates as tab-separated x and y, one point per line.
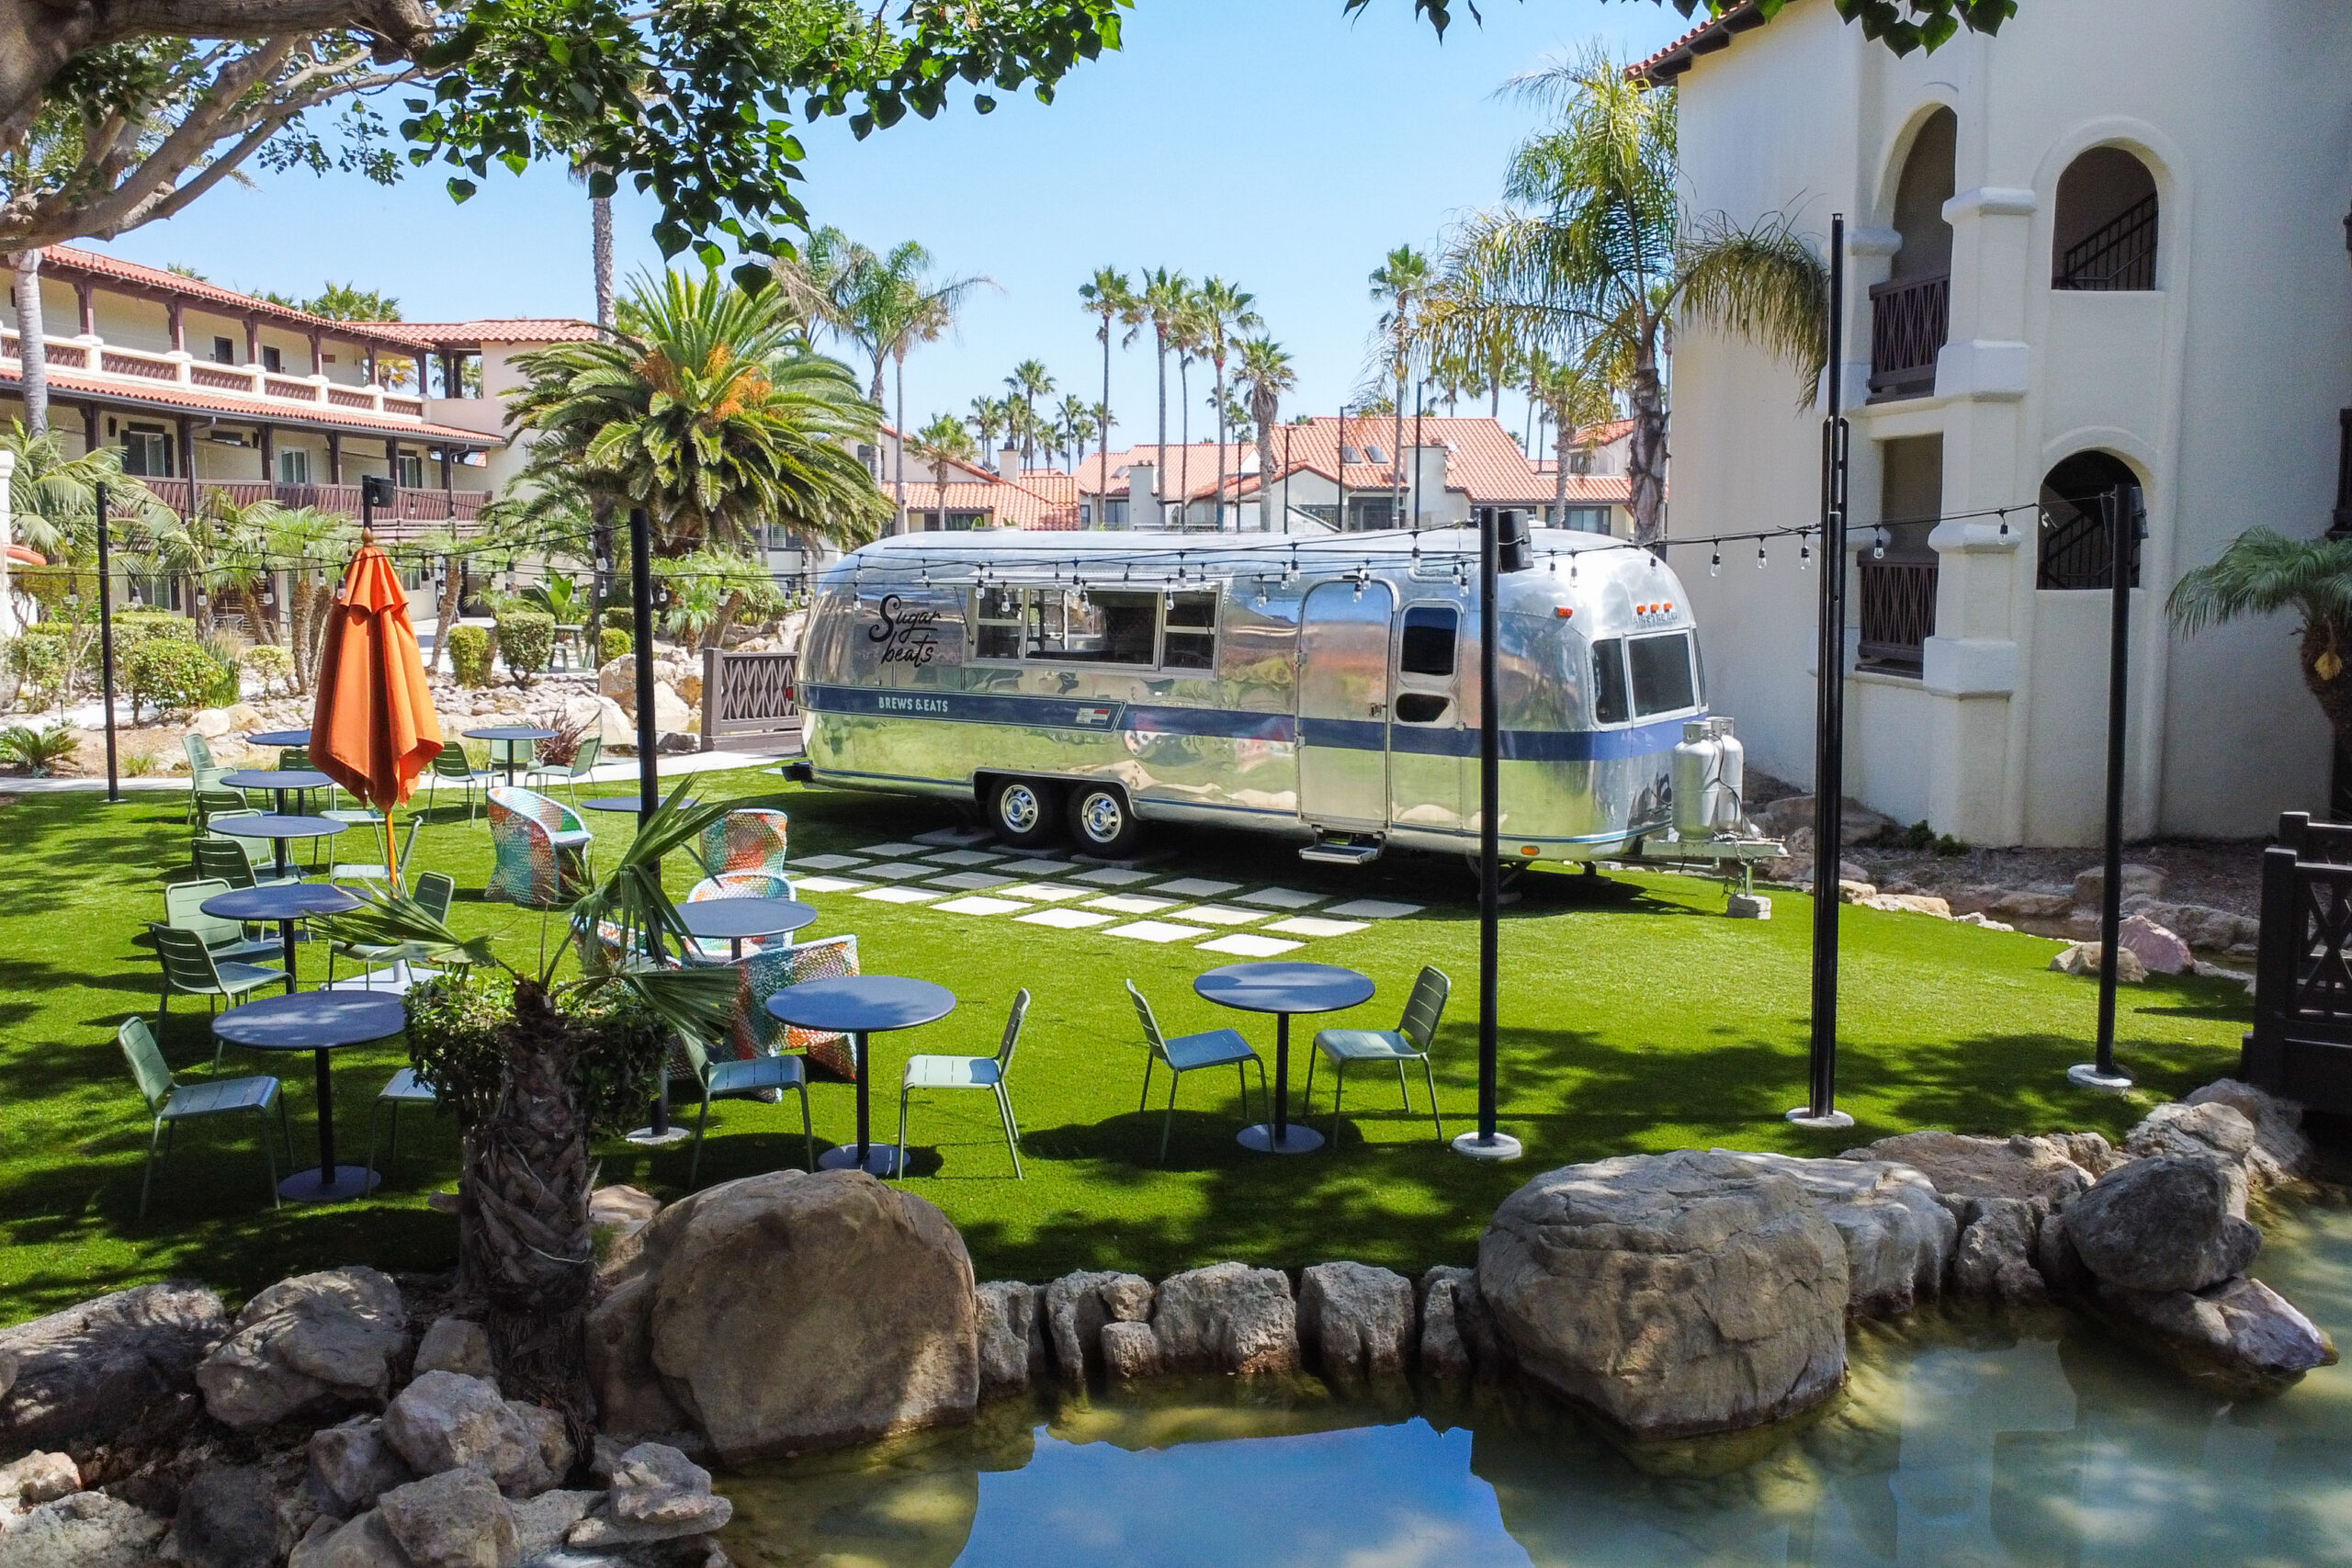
391	861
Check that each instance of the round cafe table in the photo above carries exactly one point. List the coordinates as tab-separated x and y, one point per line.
736	920
1284	989
284	780
511	732
281	829
281	738
860	1006
319	1022
285	902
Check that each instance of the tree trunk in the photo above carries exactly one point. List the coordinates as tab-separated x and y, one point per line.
600	210
1560	464
297	605
2335	693
1220	443
1184	436
447	613
898	449
1102	436
1266	476
1645	455
1397	450
1160	474
32	343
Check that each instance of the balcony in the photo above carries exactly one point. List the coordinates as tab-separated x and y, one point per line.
1898	610
1908	320
267	390
413	511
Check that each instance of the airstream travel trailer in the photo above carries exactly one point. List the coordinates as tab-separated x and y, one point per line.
1323	688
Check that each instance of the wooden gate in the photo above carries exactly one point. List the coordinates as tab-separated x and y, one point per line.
749	701
2300	1045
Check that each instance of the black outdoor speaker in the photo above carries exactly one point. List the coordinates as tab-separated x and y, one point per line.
1513	551
379	491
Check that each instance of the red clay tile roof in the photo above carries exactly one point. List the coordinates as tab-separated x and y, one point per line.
495	328
74	385
98	263
1482	460
1709	35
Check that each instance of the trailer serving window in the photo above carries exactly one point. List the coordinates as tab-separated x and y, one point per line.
1191	632
1663	681
997	618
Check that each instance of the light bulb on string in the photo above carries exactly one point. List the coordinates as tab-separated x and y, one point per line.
1760	555
1714	567
1878	545
2005	522
1804	551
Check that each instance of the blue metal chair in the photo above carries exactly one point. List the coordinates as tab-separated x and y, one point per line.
172	1102
1410	1042
406	1089
1211	1048
743	1076
973	1072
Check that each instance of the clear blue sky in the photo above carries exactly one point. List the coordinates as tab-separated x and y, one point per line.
1270	142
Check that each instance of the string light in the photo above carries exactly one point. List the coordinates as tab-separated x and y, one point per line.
1804	551
1714	567
1878	545
1760	555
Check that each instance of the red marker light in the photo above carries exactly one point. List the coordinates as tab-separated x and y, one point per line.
1562	611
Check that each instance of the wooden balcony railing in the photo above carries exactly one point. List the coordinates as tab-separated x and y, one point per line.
265	387
413	511
1898	609
1908	320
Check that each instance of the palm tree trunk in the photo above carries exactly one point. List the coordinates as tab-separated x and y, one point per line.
1645	455
1396	449
1560	464
1265	476
32	342
1184	435
600	249
1102	435
899	448
1160	474
454	577
1220	442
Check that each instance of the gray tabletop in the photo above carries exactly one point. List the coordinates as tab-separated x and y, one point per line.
1285	988
861	1004
312	1020
731	920
281	901
279	737
270	825
275	778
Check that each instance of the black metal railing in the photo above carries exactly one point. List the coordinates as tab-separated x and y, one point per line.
1908	320
2300	1045
2121	254
1898	610
2076	549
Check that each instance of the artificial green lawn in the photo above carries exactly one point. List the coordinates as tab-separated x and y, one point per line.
1634	1016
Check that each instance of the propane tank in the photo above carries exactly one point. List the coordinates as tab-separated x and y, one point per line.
1727	798
1696	763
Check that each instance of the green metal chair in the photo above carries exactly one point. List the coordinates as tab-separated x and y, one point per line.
205	803
199	751
432	890
172	1102
1410	1041
222	860
376	871
450	766
190	970
261	861
522	754
743	1076
406	1089
362	814
972	1072
567	775
228	941
1211	1048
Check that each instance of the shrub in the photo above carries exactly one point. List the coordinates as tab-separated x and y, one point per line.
132	627
138	764
36	750
169	674
614	643
524	636
37	659
470	651
270	663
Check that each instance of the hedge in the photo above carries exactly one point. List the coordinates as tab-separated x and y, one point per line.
524	638
170	674
614	643
470	651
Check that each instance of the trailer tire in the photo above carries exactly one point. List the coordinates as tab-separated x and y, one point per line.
1103	822
1023	812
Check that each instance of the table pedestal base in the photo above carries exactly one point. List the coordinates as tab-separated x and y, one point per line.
1295	1139
881	1160
1502	1146
660	1137
315	1186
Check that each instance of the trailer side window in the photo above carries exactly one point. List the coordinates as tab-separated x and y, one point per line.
1609	704
1092	627
1430	632
1662	682
1191	632
999	620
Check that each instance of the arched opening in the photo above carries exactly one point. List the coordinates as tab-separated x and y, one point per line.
2105	237
1912	310
2076	549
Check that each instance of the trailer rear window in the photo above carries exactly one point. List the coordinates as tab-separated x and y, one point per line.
1662	678
1427	648
1609	704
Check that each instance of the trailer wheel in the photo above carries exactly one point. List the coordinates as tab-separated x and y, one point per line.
1022	812
1101	822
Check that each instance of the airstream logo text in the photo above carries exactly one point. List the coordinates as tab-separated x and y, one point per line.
911	705
908	635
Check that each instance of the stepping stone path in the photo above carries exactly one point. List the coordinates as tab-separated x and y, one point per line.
1250	945
826	885
1130	903
1197	887
1157	931
829	863
900	871
964	857
972	880
1066	919
978	905
899	895
956	838
1112	876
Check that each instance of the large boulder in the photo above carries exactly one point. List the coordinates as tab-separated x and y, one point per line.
455	1519
658	1494
448	1420
455	1344
1077	1307
1130	1350
89	1373
305	1343
1897	1233
2000	1190
88	1529
1676	1295
1458	1336
1356	1321
352	1465
1227	1318
2281	1152
791	1311
1012	1337
2159	950
2163	1224
363	1542
2240	1338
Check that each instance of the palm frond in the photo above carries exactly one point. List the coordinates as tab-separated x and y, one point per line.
1764	283
2261	573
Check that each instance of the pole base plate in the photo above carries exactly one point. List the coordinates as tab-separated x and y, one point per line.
1501	1146
1803	1116
2086	1075
646	1138
1296	1139
881	1160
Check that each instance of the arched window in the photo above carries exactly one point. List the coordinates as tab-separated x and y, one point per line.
1919	198
1912	310
2076	549
2106	233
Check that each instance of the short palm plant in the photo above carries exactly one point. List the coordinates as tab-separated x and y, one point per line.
37	751
534	1067
2263	572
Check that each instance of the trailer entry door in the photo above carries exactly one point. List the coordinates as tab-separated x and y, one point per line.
1344	639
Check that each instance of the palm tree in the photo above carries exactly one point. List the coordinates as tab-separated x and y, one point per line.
989	418
1575	399
1266	371
1029	381
896	304
1594	258
308	545
1226	312
220	547
1188	334
822	282
1399	285
32	342
1073	428
2263	572
943	440
708	408
1163	299
1111	296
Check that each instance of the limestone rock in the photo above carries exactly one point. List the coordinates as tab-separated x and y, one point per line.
1983	923
455	1519
2240	1338
444	1420
754	1306
631	1399
1675	1294
227	1518
1356	1321
1012	1337
85	1374
313	1340
658	1494
211	723
2211	1128
1965	1167
2143	880
1908	904
1791	813
2281	1152
1458	1336
1130	1350
455	1344
551	1450
1855	890
2203	927
2083	959
619	1215
1227	1318
366	1542
2089	1150
88	1529
1897	1233
1998	1244
2163	1224
541	1522
1078	1305
2158	950
243	717
690	690
670	715
35	1479
352	1464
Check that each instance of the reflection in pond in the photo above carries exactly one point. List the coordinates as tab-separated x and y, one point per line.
1964	1438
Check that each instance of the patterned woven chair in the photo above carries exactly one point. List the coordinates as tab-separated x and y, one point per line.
740	885
756	1031
744	840
542	848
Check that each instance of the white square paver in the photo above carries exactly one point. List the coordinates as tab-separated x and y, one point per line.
1129	904
1045	892
1113	876
1197	887
829	863
1282	898
1219	914
899	895
894	849
964	857
955	837
1316	925
970	881
1248	945
899	871
1037	865
1065	920
1372	909
825	884
977	906
1157	931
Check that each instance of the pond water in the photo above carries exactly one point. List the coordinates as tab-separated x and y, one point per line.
1964	1440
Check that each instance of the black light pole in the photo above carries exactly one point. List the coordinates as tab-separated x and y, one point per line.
2125	518
1486	1143
106	647
1820	1109
641	581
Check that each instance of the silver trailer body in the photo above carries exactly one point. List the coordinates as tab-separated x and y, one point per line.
1324	689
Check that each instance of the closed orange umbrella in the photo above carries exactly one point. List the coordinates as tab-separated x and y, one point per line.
374	730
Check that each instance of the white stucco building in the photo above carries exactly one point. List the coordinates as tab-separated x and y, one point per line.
2109	244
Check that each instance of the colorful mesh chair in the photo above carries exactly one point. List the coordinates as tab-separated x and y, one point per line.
740	885
744	840
542	848
756	1032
